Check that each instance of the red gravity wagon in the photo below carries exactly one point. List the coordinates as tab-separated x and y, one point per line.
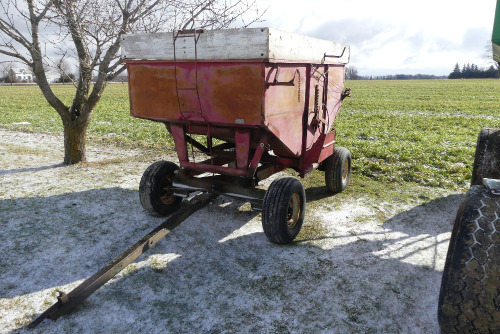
254	102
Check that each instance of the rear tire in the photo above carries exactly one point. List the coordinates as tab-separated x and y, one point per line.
487	158
338	170
154	194
469	300
283	210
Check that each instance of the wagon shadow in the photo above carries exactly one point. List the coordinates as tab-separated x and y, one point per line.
219	268
317	193
84	229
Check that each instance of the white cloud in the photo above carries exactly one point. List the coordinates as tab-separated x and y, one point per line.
393	36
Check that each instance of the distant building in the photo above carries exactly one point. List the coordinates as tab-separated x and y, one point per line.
21	75
25	75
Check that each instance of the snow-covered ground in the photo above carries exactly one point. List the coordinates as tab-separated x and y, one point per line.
216	272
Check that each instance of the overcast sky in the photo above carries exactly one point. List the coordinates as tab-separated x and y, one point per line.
394	36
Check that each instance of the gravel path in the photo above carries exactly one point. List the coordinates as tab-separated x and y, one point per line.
216	272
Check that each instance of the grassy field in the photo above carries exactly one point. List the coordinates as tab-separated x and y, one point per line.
399	132
418	131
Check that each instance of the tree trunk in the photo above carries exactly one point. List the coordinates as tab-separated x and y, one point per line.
75	133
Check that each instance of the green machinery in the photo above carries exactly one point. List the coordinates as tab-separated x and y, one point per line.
495	38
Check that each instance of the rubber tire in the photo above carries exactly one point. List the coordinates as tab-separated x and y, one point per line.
469	300
155	178
487	157
275	210
335	169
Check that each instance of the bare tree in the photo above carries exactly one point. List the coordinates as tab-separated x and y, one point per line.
6	72
64	69
90	31
351	73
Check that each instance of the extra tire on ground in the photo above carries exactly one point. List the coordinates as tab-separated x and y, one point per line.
469	300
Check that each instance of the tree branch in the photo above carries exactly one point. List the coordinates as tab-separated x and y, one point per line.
37	65
14	53
194	16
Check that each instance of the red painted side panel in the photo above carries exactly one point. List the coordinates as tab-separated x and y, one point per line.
285	104
294	104
284	107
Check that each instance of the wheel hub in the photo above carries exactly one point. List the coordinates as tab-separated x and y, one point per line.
293	211
167	196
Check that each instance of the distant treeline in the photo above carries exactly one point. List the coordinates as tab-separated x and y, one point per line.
401	77
472	71
468	71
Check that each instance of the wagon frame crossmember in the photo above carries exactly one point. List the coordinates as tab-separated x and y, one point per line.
236	168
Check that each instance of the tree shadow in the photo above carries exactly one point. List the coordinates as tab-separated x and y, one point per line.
217	272
32	169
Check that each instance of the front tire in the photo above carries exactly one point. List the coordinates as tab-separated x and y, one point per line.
283	210
155	191
469	300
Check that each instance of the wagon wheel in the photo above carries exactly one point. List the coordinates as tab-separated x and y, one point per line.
283	210
338	170
155	191
469	299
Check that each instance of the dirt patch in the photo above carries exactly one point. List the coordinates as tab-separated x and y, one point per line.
216	272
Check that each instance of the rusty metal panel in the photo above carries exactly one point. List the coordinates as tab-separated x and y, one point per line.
336	76
217	92
290	94
327	84
152	91
232	93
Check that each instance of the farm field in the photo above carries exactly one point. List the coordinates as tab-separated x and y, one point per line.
420	132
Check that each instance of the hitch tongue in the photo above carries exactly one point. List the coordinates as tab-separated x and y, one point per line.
67	301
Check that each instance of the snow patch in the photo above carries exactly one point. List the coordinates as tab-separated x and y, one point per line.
216	272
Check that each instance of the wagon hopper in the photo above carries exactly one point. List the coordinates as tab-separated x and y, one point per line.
255	102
